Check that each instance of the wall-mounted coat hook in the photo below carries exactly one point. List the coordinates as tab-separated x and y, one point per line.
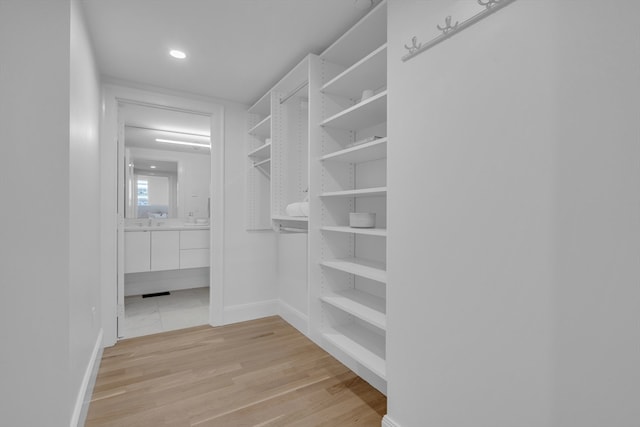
488	3
448	30
414	45
447	25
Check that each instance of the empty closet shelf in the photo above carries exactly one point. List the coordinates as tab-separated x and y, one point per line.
380	232
362	305
366	347
363	192
363	268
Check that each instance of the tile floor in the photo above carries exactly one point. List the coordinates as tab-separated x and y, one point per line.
181	309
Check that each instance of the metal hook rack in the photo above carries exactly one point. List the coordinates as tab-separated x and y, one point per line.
448	30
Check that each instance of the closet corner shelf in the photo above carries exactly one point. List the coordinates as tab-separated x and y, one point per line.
364	268
262	106
361	39
261	152
263	163
364	306
363	192
362	115
263	128
366	347
374	150
380	232
290	218
368	73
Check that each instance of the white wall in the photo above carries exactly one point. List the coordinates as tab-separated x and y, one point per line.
85	320
514	269
34	160
45	318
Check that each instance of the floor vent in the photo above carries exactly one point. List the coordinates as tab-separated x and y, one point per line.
157	294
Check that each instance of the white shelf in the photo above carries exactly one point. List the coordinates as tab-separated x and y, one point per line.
262	151
290	218
368	73
265	162
367	34
367	113
381	232
364	268
366	152
363	192
263	128
262	107
362	305
366	347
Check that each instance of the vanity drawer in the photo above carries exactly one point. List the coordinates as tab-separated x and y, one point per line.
194	239
194	258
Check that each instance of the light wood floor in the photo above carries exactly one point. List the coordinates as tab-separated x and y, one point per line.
257	373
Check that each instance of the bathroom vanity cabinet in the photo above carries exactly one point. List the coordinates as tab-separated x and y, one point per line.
160	250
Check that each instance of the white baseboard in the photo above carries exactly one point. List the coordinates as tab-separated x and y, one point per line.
388	422
294	317
83	399
250	311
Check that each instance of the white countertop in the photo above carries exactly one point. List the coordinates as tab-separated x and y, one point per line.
165	227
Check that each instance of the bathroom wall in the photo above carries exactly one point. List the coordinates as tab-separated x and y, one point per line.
513	271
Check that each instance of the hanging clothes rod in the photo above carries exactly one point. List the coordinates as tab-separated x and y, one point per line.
294	91
448	30
284	229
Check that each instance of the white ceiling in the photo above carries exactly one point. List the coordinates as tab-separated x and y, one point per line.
237	49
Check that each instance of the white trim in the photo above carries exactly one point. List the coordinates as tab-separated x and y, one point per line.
388	422
250	311
86	387
294	317
216	236
112	94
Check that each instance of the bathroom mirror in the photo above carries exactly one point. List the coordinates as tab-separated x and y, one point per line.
152	188
167	163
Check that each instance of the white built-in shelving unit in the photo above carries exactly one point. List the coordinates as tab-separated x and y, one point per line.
314	136
347	265
259	165
290	112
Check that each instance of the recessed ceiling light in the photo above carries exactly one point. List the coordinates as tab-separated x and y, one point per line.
194	144
178	54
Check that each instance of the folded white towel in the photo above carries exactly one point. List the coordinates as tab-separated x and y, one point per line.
298	209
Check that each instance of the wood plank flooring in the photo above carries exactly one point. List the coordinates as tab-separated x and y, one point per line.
252	374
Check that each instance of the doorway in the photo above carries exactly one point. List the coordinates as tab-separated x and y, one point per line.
163	283
113	218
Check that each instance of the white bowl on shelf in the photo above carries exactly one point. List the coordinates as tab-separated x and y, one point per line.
362	220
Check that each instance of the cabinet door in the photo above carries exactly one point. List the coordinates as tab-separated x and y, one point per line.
137	251
165	250
194	239
194	258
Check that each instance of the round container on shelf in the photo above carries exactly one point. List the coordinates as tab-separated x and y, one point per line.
362	220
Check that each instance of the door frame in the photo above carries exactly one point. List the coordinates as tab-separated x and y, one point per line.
111	215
